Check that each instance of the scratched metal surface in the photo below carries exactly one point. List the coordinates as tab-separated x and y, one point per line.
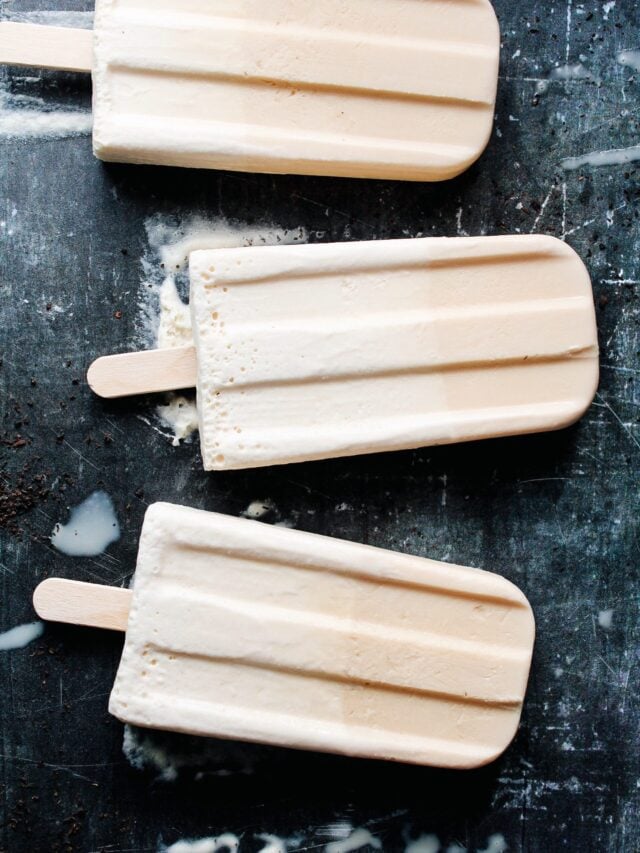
555	513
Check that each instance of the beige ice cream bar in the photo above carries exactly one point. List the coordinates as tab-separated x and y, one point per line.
316	351
369	88
237	629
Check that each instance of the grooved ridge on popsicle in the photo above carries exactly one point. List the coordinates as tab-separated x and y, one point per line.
285	86
410	343
249	631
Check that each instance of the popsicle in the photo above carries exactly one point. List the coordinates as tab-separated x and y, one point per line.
315	351
370	88
237	629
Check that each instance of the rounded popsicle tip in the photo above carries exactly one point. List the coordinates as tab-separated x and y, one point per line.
80	603
144	372
44	594
98	378
505	736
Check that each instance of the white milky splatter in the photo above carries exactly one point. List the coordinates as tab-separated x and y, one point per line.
495	844
605	619
424	844
22	117
358	838
164	318
258	509
227	841
91	528
180	414
20	636
610	157
273	844
630	58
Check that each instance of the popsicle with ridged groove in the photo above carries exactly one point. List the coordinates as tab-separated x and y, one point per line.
316	351
242	630
401	89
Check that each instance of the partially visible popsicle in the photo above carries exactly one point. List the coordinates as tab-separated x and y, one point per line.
237	629
370	88
309	352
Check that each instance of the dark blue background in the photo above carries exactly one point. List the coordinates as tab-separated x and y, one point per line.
557	513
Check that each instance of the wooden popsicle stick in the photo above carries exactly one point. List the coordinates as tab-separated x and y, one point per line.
38	46
78	603
145	372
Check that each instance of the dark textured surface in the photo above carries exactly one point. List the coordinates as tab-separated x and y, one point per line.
556	513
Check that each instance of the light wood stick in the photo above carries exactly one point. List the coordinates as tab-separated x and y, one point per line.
78	603
145	372
37	46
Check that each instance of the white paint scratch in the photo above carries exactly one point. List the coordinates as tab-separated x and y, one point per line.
443	497
609	157
568	31
459	229
543	207
624	426
146	421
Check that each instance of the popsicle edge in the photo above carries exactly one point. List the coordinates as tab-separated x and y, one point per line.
583	402
447	174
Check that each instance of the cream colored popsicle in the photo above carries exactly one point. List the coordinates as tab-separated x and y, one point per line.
309	352
242	630
370	88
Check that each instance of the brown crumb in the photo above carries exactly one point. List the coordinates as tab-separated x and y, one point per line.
20	496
